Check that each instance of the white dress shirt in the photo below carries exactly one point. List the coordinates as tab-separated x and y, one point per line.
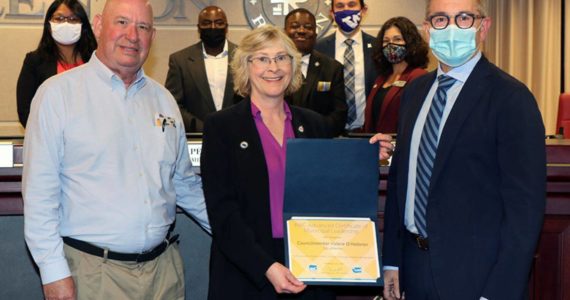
104	164
217	73
305	64
359	81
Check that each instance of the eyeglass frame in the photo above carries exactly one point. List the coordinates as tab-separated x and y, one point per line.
62	19
475	17
260	63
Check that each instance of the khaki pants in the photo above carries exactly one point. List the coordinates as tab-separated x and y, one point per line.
99	279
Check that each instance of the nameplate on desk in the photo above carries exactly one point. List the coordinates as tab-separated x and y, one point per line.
6	155
194	149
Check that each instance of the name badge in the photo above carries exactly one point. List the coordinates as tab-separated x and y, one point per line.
324	86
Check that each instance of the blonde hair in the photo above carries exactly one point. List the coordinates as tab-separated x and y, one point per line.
254	41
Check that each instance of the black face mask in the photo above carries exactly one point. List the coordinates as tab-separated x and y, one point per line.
213	37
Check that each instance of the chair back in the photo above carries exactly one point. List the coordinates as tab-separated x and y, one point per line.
563	121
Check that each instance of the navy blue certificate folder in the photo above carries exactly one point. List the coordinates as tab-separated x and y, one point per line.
331	178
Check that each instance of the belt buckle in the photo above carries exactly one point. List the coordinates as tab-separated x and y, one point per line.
421	242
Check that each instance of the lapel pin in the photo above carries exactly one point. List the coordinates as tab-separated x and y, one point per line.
301	129
317	64
369	45
243	145
374	86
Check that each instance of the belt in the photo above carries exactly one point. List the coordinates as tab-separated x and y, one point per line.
421	241
106	253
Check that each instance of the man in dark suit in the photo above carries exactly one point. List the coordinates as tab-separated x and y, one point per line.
467	185
347	15
198	76
323	85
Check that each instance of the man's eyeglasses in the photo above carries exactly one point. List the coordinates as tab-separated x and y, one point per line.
70	19
462	20
265	61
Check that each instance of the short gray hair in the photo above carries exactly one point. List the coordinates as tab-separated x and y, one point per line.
481	7
254	41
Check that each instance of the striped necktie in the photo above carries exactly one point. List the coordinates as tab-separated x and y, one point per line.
349	81
427	152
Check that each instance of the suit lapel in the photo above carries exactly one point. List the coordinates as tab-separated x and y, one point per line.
298	123
197	70
229	90
471	92
310	82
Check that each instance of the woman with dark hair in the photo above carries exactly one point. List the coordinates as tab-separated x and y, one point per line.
67	41
402	58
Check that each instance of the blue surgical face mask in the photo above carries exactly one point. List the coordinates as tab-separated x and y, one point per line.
347	20
453	46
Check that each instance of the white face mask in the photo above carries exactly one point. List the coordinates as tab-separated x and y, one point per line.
65	33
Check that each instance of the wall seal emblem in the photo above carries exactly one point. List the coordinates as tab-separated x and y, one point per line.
261	12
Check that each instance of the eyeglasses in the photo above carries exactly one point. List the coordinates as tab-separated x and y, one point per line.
70	19
265	61
463	20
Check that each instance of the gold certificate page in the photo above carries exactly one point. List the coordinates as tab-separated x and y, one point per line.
333	249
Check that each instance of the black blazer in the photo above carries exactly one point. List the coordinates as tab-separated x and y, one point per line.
236	187
188	82
34	72
323	91
487	191
327	46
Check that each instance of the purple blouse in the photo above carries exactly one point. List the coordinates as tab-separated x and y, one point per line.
275	156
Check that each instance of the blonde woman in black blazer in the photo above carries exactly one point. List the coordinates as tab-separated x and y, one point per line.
246	259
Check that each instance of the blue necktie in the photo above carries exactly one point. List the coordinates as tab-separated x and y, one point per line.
349	81
427	152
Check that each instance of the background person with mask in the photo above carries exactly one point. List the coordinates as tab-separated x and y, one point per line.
323	85
353	48
198	76
400	59
67	41
467	185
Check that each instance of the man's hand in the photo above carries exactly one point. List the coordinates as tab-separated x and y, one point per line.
386	147
391	285
283	280
63	289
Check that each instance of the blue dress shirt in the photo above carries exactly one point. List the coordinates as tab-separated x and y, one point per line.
105	164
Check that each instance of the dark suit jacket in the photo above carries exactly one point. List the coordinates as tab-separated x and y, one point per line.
388	117
330	103
34	72
236	187
487	191
188	82
327	46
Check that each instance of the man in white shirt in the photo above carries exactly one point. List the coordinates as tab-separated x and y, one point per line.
198	76
353	48
105	165
323	85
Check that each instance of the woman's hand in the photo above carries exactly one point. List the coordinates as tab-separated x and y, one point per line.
283	280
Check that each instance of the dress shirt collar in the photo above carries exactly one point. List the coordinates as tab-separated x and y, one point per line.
256	112
340	38
108	75
223	54
462	72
